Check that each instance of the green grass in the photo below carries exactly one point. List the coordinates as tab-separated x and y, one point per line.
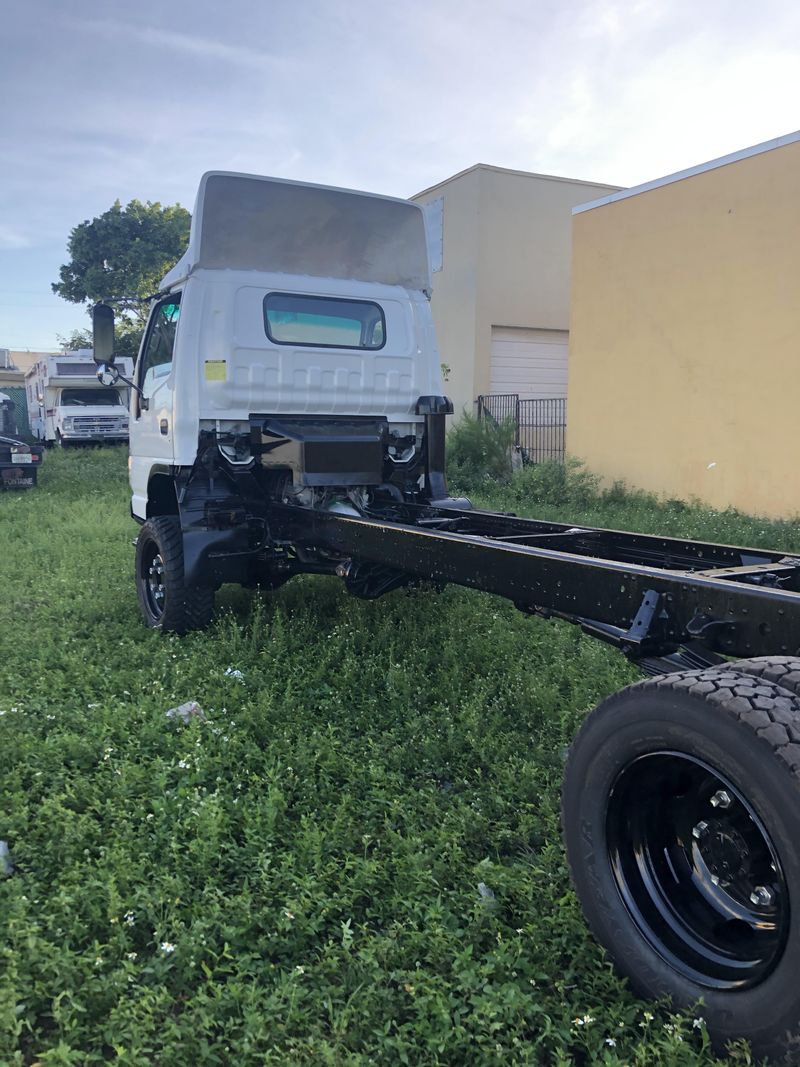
313	850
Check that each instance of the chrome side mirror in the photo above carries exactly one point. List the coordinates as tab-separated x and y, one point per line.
107	374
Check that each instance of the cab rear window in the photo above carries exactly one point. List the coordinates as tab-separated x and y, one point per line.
323	322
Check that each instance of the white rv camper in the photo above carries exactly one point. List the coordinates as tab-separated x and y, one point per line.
67	404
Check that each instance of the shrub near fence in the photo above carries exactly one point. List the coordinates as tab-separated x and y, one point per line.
541	425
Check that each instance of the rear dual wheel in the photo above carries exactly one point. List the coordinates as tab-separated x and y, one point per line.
165	601
681	811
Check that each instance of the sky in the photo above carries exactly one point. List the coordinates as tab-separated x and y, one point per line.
112	100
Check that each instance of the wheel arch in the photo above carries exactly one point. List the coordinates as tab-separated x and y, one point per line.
162	498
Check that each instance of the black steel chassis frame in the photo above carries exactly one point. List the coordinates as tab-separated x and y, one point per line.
669	603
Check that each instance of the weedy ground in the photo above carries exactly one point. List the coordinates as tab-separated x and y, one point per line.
295	880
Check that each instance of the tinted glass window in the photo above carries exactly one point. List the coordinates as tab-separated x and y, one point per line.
323	322
86	398
156	360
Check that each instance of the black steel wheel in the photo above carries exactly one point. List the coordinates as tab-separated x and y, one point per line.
681	812
697	870
165	602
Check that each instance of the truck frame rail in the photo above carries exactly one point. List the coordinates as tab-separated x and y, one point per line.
668	603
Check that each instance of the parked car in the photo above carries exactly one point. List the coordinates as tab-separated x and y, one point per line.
19	461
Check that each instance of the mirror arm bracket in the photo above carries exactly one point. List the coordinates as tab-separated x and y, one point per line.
132	384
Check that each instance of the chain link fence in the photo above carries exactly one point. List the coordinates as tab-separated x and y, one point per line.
16	421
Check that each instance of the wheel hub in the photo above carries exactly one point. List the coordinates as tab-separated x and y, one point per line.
725	853
697	870
154	584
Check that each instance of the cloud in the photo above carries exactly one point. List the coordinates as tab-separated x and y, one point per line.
199	47
12	239
383	97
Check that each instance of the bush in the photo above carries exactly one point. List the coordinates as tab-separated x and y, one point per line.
479	449
556	484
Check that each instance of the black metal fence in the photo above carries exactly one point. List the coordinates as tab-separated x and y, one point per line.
541	425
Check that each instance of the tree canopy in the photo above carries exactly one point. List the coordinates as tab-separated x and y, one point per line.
127	336
120	257
123	253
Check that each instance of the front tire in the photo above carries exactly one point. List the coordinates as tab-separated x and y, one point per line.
165	602
681	814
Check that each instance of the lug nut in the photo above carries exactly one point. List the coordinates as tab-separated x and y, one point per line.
721	799
762	895
700	830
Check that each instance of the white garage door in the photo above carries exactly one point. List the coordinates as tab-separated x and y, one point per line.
532	363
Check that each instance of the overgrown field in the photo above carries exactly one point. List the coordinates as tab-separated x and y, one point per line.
295	880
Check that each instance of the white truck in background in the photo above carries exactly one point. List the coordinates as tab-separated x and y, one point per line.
67	404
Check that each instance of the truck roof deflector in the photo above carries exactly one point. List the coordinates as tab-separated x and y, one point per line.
243	222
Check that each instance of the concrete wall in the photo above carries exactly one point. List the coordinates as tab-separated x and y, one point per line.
684	336
506	262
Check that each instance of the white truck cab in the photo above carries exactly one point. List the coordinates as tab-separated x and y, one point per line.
291	300
290	357
67	404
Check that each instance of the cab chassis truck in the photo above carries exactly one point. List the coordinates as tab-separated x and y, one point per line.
287	418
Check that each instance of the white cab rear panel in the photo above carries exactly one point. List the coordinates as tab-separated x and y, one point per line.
236	370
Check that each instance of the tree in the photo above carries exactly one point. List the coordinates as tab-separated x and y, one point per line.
120	257
127	337
76	340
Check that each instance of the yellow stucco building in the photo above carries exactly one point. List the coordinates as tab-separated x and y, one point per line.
684	365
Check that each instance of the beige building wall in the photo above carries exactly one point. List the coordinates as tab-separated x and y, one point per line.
455	286
685	335
505	262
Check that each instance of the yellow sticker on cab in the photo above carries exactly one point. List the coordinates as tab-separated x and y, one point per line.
216	370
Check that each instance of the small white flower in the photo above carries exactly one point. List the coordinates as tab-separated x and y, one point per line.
98	960
167	947
130	918
648	1016
289	915
149	817
698	1023
299	970
183	764
131	955
611	1042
